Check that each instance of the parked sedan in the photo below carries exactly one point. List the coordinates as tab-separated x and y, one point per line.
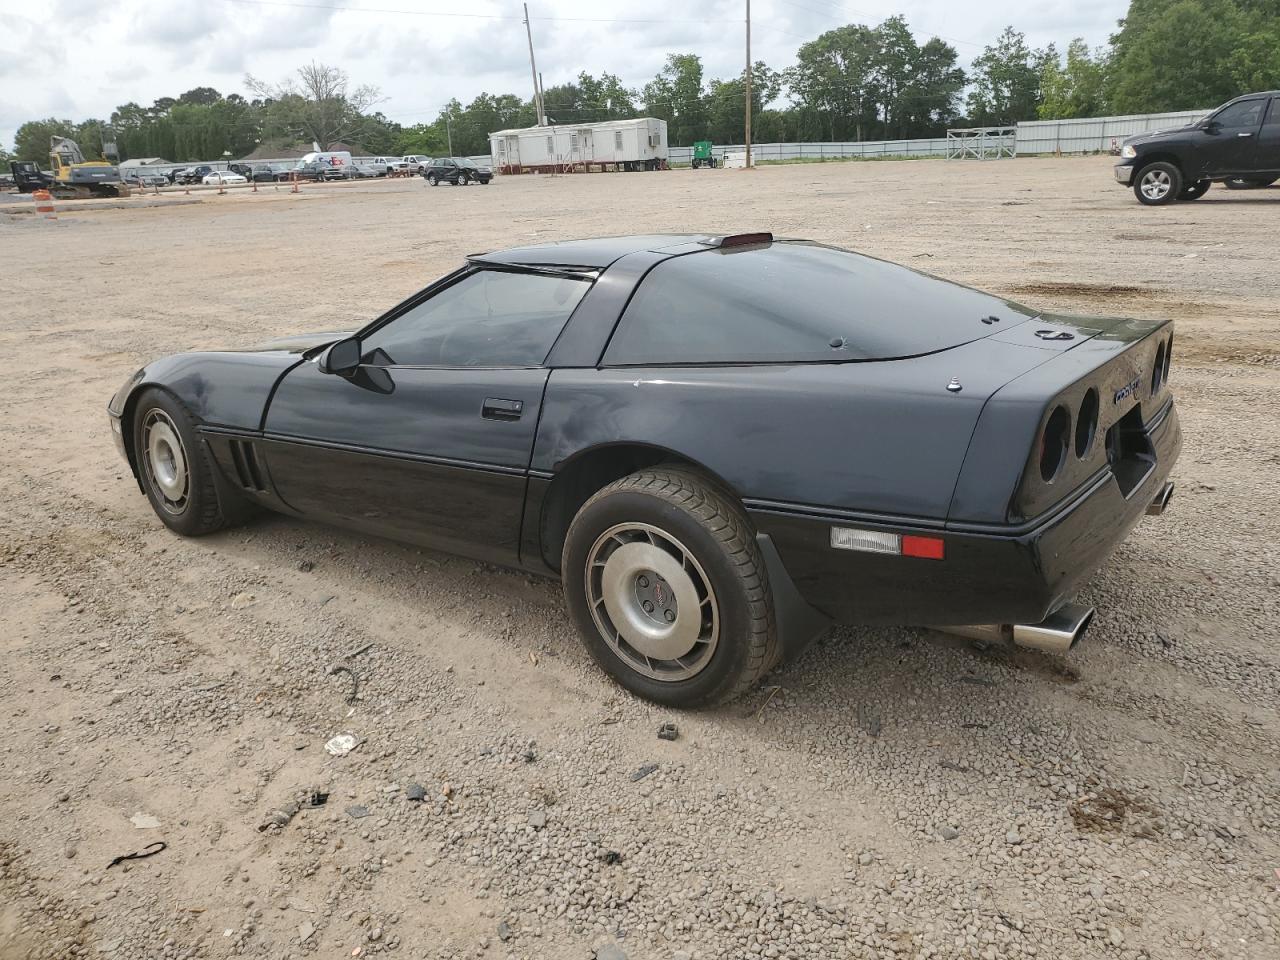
456	170
719	444
224	178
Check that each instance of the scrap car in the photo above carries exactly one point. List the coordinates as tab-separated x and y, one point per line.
721	445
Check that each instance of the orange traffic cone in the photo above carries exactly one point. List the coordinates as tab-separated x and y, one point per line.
44	204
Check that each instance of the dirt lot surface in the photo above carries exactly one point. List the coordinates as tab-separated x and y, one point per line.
894	793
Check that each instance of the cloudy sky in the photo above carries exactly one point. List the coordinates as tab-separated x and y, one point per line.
422	52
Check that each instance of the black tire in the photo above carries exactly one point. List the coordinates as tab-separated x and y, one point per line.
204	503
1249	183
461	181
696	163
1157	184
1195	191
712	543
431	179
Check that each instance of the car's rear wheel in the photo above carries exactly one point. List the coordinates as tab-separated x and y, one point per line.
668	589
1158	183
177	470
1195	191
1249	183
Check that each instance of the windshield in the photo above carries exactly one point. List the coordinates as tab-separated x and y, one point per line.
464	162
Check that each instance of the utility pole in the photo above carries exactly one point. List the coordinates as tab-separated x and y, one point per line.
448	128
748	84
533	67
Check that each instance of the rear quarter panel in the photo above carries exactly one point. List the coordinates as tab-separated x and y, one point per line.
883	437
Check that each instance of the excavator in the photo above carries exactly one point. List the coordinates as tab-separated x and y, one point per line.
73	177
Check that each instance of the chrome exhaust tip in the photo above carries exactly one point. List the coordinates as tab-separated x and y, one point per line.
1161	502
1056	633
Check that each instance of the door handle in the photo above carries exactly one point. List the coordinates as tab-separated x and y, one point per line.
498	409
1244	134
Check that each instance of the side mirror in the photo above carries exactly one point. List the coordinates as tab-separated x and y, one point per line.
342	358
1212	127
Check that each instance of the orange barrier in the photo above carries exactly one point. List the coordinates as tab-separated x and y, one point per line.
44	204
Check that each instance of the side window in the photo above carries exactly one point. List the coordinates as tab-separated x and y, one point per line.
1246	114
490	318
1273	118
617	140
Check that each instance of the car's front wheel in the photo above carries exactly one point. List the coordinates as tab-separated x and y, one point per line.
1195	191
461	181
667	587
1158	183
177	470
433	180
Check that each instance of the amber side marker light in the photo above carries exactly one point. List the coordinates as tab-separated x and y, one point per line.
877	541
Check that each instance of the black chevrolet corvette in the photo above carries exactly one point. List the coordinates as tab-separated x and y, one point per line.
720	444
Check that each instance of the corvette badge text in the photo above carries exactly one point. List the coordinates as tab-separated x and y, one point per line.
1128	390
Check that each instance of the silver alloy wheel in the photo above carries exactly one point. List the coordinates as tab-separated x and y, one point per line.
652	602
1156	184
167	470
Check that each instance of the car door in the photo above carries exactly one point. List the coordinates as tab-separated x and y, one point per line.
1269	140
430	439
1231	137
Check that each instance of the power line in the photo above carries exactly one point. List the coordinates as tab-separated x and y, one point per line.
472	16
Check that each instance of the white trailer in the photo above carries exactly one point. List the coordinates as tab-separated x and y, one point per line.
564	148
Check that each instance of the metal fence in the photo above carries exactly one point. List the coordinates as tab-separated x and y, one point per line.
1094	134
858	149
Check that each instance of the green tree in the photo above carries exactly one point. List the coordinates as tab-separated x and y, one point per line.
726	100
1183	54
1006	81
1076	88
832	77
31	142
676	95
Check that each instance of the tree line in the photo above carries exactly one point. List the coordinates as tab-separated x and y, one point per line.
854	82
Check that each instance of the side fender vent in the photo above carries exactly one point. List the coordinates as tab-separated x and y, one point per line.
248	470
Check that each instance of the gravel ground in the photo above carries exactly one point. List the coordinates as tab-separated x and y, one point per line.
895	793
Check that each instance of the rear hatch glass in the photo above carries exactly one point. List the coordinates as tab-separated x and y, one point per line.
790	302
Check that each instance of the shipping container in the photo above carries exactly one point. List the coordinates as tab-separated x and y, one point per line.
562	148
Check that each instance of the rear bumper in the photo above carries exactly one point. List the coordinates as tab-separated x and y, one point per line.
1123	173
1010	575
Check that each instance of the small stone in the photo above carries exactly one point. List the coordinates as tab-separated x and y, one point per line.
538	819
504	931
949	833
1208	779
144	821
865	859
1116	937
610	951
1013	837
416	792
242	600
357	811
306	930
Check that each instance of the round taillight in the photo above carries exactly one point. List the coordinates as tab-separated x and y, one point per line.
1053	443
1086	422
1157	371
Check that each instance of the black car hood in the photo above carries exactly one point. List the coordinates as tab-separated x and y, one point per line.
1161	134
297	344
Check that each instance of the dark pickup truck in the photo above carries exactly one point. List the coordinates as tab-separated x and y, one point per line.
1238	144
